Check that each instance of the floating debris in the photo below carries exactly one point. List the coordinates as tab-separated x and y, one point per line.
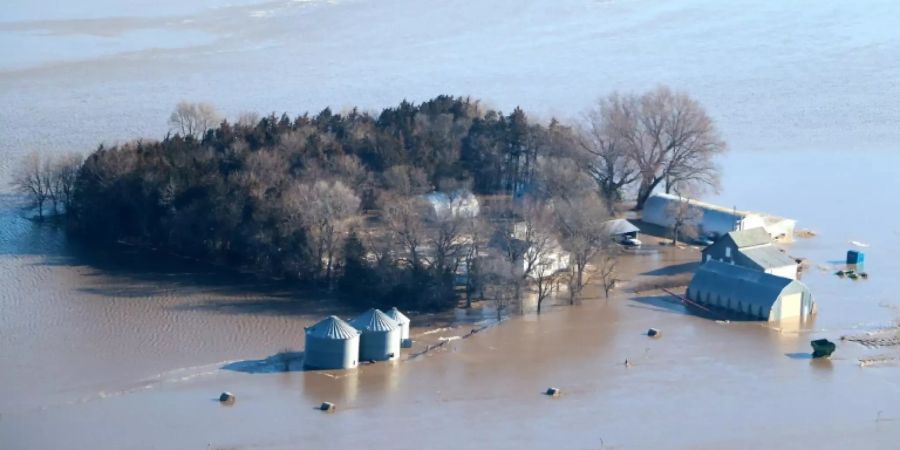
227	397
822	348
327	407
859	244
553	392
653	332
805	233
875	360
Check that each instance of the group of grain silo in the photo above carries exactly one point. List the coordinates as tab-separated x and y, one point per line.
372	336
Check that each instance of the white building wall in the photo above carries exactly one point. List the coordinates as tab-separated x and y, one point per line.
789	271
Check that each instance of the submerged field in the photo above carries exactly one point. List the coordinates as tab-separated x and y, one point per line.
113	350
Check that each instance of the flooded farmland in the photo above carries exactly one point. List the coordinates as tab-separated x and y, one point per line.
123	349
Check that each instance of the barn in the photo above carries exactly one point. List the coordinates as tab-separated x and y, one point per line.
749	292
752	249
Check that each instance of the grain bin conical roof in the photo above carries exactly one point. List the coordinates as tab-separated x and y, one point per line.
398	316
332	327
374	320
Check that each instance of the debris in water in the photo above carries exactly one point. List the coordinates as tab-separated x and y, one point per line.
822	347
227	397
859	244
627	364
327	407
553	392
653	332
806	233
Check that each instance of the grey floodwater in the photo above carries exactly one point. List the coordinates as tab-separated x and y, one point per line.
125	349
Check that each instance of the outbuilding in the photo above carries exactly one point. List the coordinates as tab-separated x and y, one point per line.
621	230
753	249
331	344
749	292
714	220
380	336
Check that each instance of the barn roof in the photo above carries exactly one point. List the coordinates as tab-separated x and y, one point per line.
750	237
768	257
374	320
620	226
739	283
332	327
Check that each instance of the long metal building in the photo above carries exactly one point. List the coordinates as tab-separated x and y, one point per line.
331	344
750	292
380	336
715	220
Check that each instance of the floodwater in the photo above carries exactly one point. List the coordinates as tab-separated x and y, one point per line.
123	349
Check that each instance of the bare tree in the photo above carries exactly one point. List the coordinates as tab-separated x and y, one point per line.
502	284
669	138
64	174
560	178
685	219
602	138
193	119
33	179
477	232
403	216
326	209
605	269
583	236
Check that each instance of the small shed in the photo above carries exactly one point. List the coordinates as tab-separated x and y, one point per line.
331	344
402	320
380	336
750	292
621	229
752	248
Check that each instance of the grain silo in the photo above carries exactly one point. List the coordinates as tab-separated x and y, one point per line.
332	344
380	338
401	320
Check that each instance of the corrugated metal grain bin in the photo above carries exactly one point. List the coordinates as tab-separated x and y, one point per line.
380	336
332	344
402	320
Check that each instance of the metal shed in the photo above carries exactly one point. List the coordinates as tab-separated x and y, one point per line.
331	344
401	320
380	338
715	220
750	292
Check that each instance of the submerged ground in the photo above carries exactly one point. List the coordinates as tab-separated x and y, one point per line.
109	350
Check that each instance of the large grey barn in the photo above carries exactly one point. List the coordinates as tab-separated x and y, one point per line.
750	292
752	249
331	344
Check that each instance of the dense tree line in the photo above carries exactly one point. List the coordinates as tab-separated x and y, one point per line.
335	199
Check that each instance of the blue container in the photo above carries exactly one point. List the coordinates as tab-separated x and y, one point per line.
855	257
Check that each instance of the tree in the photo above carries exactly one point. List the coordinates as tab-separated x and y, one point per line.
193	119
602	137
605	265
34	179
669	138
327	209
64	173
477	232
685	219
583	235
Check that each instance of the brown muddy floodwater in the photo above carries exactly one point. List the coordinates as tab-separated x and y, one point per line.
111	351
